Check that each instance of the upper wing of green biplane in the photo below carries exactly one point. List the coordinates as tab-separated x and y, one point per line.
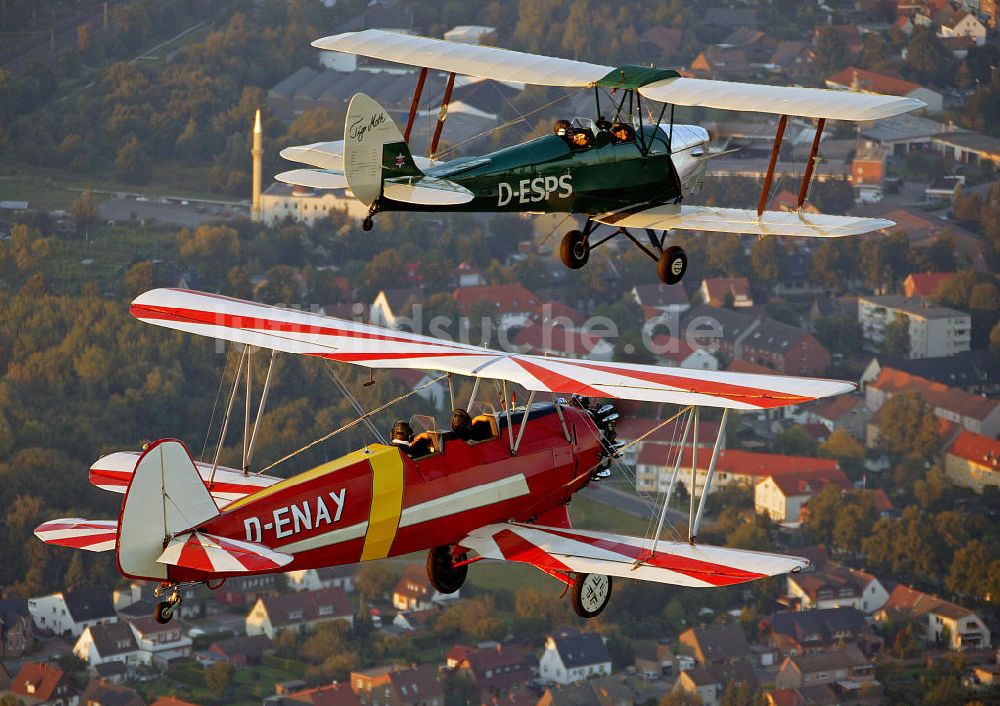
658	84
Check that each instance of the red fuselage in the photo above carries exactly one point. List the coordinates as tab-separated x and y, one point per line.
378	502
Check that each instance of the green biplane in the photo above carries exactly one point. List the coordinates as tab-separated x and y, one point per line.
624	172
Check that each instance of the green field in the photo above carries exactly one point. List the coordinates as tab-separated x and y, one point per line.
109	253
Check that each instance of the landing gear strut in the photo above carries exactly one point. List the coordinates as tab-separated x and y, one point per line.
164	610
671	263
441	569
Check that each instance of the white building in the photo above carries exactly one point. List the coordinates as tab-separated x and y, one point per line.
935	331
939	621
160	644
782	496
280	201
342	577
571	656
836	586
964	24
72	611
107	642
298	611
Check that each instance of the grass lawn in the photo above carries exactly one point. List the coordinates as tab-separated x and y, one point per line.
110	251
588	513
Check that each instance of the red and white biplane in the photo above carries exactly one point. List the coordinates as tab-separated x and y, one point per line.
495	486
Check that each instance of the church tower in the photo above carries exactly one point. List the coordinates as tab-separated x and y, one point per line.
258	153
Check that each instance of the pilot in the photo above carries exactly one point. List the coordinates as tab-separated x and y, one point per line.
580	139
562	128
401	435
461	424
603	124
621	132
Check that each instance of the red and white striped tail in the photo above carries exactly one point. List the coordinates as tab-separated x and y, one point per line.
212	554
77	533
114	472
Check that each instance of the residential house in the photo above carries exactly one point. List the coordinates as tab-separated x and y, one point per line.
934	330
973	371
903	133
630	429
924	284
964	24
666	299
811	631
171	701
509	304
108	642
72	611
977	414
791	59
577	694
777	346
493	668
399	686
847	412
416	620
243	651
716	644
709	683
571	655
299	611
414	591
663	43
393	308
850	33
821	668
782	496
545	339
726	291
343	577
864	81
17	630
822	695
335	694
718	62
160	644
677	353
655	463
100	692
246	590
973	461
43	685
944	189
938	621
835	586
868	173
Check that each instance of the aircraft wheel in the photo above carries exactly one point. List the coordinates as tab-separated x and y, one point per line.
441	570
574	251
591	593
672	265
164	612
367	224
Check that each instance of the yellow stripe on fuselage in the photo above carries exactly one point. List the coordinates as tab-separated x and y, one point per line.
387	503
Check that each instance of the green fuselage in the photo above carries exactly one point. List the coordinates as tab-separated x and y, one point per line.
546	175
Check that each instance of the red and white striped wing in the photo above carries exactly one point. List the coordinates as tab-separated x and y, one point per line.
363	344
75	532
114	472
581	551
211	554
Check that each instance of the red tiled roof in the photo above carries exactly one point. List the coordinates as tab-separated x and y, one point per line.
745	463
171	701
666	39
836	407
677	351
809	482
43	678
557	339
872	82
909	601
552	311
745	366
977	448
894	382
923	284
327	695
880	499
507	298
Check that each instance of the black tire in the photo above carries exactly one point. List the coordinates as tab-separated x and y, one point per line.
672	265
367	224
445	577
163	612
574	251
591	593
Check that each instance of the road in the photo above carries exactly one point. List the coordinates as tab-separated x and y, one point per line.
630	503
187	215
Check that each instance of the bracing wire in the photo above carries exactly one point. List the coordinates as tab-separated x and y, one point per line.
353	400
215	406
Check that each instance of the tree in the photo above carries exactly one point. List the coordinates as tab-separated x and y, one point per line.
84	212
767	257
995	343
748	536
375	580
209	246
139	278
218	677
830	52
896	337
966	577
848	451
795	441
132	163
678	697
908	427
927	59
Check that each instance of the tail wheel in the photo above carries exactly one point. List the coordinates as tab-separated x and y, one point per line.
591	593
442	572
574	251
164	611
672	265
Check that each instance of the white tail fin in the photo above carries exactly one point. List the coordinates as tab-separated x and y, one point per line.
166	496
368	132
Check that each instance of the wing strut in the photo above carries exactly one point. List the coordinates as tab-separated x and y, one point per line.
810	163
775	149
413	105
443	114
708	477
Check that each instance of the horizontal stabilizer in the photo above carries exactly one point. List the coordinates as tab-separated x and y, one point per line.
77	533
205	552
314	178
580	551
427	191
114	472
741	220
330	155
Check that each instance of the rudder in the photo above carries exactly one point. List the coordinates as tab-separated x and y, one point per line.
166	496
373	148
